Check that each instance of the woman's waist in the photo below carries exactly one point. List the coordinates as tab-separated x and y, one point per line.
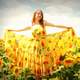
39	35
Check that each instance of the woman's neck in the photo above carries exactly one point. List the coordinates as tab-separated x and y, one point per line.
37	22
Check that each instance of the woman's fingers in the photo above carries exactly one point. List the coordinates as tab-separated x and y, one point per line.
9	30
69	28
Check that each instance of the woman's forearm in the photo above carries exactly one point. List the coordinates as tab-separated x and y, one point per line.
27	28
59	26
62	26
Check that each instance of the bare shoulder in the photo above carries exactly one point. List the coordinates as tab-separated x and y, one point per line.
45	22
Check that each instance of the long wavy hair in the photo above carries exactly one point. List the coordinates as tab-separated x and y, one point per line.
41	21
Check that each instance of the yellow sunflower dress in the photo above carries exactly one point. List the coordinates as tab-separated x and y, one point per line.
40	53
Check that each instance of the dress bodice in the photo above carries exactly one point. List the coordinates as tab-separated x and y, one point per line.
37	30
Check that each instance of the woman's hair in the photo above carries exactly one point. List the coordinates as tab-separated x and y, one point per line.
41	22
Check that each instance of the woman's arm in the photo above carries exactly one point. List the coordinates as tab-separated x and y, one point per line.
54	25
26	28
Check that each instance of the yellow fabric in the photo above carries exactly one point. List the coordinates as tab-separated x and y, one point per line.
39	54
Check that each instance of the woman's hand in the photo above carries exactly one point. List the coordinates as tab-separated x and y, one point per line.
10	30
69	28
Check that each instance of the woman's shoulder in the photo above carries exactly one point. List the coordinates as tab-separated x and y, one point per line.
45	22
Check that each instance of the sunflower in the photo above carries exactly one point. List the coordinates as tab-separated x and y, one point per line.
68	62
1	63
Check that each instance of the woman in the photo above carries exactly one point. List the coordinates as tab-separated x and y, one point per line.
38	19
40	50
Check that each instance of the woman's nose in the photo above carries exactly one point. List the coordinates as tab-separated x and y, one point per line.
39	15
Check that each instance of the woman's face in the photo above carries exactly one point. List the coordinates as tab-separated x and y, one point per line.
38	15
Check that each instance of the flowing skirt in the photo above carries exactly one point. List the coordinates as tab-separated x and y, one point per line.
42	56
